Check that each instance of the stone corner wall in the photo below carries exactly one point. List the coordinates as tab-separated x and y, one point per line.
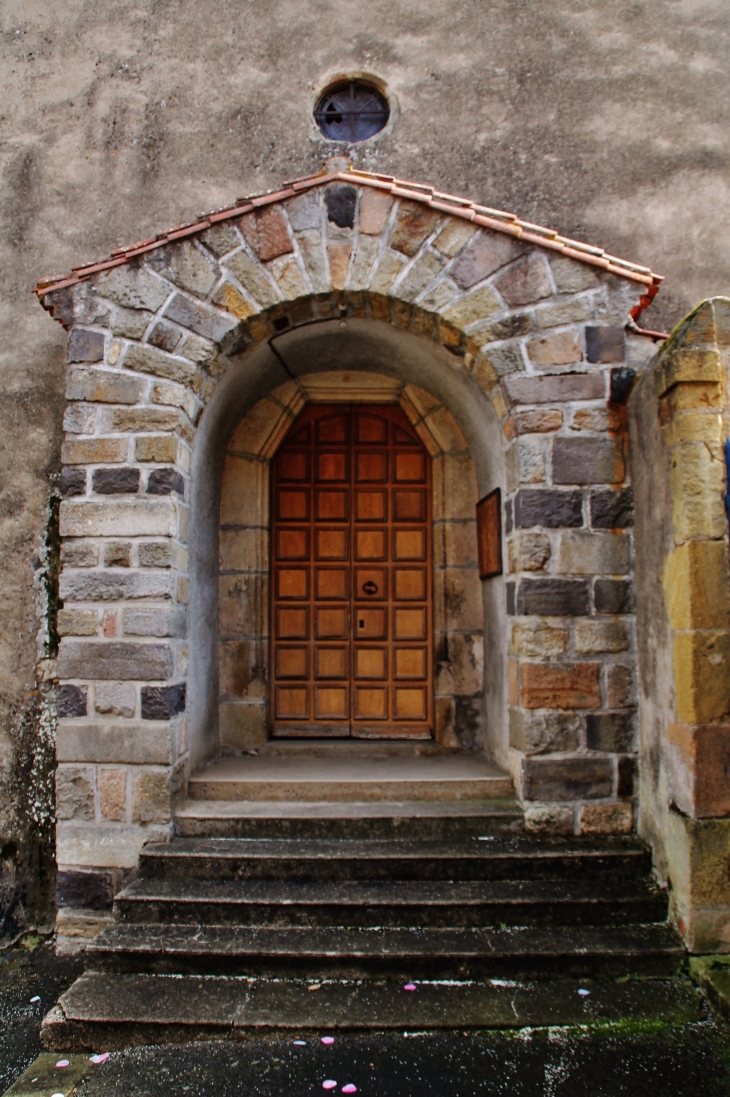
679	431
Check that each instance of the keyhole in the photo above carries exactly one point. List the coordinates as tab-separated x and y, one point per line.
361	623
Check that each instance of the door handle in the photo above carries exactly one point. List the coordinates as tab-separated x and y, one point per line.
370	587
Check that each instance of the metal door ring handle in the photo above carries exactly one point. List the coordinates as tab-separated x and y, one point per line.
370	587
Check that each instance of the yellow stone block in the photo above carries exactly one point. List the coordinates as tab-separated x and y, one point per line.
696	584
687	396
697	483
702	681
232	301
693	426
688	365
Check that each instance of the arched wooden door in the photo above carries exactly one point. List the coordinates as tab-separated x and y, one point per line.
351	577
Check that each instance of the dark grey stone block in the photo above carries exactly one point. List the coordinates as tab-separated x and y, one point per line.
610	731
164	336
121	481
511	601
114	660
567	778
71	701
613	596
551	509
85	346
85	890
612	509
587	461
340	201
73	482
165	482
508	518
605	344
162	702
553	598
627	774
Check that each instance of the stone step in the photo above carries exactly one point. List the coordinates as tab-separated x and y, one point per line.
493	858
114	1011
292	904
350	777
466	953
430	819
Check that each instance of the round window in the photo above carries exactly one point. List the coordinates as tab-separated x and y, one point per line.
351	112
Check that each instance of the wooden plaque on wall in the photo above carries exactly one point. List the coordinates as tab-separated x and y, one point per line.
489	534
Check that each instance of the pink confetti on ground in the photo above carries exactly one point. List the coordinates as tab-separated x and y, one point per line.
410	986
349	1088
99	1058
329	1084
328	1039
62	1063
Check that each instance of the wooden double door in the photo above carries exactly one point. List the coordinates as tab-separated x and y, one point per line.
351	580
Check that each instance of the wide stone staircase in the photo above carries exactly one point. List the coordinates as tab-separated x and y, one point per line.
284	914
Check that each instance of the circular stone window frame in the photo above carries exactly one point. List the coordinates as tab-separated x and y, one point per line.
319	90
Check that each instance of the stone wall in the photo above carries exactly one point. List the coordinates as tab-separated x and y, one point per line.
528	340
679	430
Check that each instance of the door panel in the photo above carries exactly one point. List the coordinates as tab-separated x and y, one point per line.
351	570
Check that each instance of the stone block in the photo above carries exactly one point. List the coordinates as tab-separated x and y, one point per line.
340	201
115	698
163	702
120	744
375	207
544	732
386	272
203	319
253	277
588	461
113	794
486	253
549	819
538	638
553	598
242	673
555	388
567	778
266	233
572	277
426	268
525	462
507	327
79	418
258	432
154	622
155	554
462	607
627	776
613	732
312	252
338	254
135	518
561	349
413	225
365	255
584	553
564	312
185	265
117	554
613	596
452	237
698	484
165	337
92	451
133	286
619	686
477	305
221	238
595	637
77	622
305	211
696	585
85	890
165	482
606	819
71	701
119	660
139	420
112	846
690	365
505	359
551	509
74	793
121	481
151	797
612	509
146	359
455	489
112	586
465	663
242	726
560	685
243	549
699	761
130	323
85	346
702	681
525	282
79	554
289	278
605	344
229	298
244	492
79	924
529	551
538	422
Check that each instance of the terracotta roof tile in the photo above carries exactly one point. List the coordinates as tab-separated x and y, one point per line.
463	208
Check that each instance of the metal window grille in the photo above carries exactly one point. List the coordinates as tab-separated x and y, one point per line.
351	112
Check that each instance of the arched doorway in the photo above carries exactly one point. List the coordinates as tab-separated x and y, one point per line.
351	587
